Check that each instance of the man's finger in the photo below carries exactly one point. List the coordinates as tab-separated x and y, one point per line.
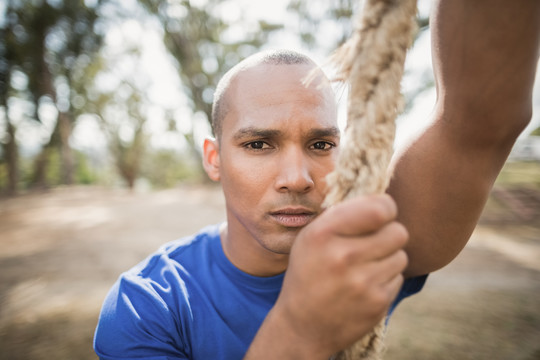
362	214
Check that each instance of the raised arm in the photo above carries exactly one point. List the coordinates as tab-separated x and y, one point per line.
485	54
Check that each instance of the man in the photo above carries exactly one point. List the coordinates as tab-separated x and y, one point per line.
284	278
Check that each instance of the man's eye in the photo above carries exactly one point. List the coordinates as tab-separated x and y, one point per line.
322	145
257	145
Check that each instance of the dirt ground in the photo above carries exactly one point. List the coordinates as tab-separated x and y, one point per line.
60	251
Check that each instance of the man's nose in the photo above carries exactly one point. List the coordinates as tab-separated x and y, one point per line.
293	172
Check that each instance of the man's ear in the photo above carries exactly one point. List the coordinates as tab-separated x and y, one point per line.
211	158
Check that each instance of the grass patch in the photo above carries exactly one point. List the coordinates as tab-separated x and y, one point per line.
520	173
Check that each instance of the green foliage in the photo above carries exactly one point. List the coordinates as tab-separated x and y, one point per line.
53	174
200	41
520	173
24	179
49	46
166	168
51	43
314	15
84	174
127	140
536	132
26	170
3	176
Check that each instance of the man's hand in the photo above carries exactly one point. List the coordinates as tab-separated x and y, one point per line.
344	272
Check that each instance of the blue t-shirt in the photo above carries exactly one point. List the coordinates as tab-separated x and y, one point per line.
188	301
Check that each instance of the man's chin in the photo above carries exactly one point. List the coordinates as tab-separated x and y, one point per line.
282	244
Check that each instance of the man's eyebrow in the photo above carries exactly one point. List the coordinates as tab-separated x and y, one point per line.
324	132
253	132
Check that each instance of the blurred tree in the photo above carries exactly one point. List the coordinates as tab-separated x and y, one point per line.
7	61
118	99
51	43
206	41
335	19
165	168
122	116
536	132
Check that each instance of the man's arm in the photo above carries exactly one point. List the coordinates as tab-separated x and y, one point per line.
485	54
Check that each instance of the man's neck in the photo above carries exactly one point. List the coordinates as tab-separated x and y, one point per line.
250	257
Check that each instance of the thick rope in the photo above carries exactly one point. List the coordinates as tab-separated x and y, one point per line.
372	63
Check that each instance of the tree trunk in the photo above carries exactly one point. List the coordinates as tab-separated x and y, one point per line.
61	132
10	146
59	139
66	153
197	156
12	159
39	179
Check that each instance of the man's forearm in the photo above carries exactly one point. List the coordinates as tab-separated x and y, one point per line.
485	54
276	339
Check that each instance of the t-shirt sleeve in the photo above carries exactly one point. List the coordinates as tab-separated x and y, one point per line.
136	323
410	287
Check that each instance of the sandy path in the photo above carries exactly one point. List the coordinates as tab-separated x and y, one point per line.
61	251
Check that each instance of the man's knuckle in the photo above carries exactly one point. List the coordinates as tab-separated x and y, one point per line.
379	301
360	284
400	231
339	259
395	235
316	233
379	213
403	260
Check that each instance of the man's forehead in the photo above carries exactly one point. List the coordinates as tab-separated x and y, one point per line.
308	75
269	97
275	83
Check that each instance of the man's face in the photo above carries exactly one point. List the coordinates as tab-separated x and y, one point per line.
278	143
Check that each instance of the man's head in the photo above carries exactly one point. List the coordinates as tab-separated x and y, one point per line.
221	103
276	141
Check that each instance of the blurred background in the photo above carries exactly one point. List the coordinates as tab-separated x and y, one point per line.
104	105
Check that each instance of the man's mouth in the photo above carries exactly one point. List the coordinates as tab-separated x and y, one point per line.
293	217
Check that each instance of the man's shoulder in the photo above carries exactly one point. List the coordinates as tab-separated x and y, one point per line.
164	280
180	253
151	305
199	241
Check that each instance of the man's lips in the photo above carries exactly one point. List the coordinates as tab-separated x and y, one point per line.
293	217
